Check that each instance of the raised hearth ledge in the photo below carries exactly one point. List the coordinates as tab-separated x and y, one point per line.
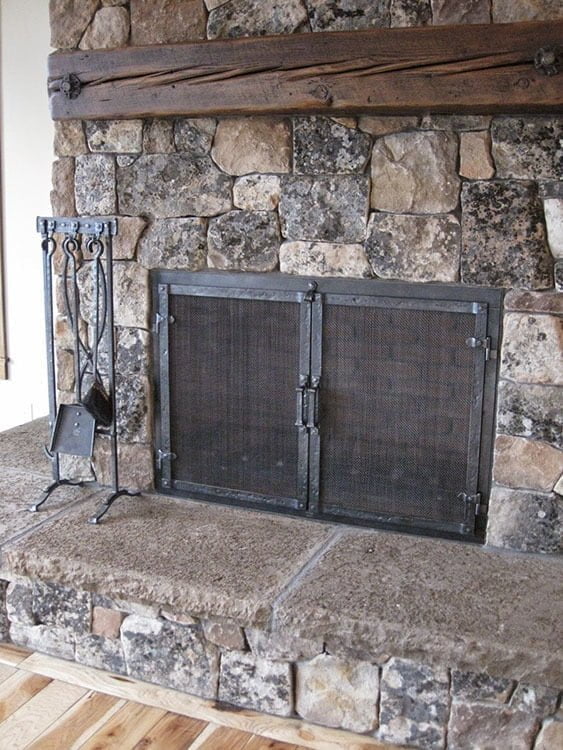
366	594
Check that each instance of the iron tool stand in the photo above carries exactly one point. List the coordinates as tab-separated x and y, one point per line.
86	246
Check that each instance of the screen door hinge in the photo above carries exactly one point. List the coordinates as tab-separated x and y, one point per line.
162	456
159	319
474	501
485	344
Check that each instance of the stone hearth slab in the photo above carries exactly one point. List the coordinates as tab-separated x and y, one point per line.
22	448
191	557
19	489
379	594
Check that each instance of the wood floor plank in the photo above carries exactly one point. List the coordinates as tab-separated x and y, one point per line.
40	712
263	743
225	737
79	723
12	655
125	728
18	689
201	738
172	732
5	672
292	731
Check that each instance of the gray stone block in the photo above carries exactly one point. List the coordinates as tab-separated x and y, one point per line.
44	638
414	704
527	148
478	686
323	146
504	239
481	725
62	607
255	683
347	15
194	135
94	185
414	248
244	240
19	604
171	185
101	653
256	17
524	520
539	700
115	136
333	209
411	13
174	243
532	411
170	654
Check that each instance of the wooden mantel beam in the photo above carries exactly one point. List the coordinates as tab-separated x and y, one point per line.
472	69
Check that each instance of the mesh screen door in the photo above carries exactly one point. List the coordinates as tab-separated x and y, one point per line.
399	410
232	367
394	395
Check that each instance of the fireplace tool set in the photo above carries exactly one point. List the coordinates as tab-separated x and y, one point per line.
86	289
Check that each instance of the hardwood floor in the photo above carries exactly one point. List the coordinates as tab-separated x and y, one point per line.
51	704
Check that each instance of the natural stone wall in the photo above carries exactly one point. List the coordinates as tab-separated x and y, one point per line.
400	701
463	199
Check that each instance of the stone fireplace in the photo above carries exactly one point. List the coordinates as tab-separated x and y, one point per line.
416	641
468	200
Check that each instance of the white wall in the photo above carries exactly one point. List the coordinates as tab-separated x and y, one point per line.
26	137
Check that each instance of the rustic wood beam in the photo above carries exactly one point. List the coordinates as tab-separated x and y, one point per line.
478	69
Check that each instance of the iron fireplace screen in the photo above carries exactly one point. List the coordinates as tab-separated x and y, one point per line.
341	402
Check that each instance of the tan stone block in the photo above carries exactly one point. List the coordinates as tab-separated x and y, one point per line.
158	137
135	464
68	20
476	162
384	125
532	350
550	736
336	693
506	11
166	21
224	633
415	173
523	463
109	29
182	619
258	144
62	194
257	192
559	486
69	138
106	622
131	285
553	211
65	370
115	136
129	230
461	11
324	259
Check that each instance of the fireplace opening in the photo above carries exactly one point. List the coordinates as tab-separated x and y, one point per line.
348	400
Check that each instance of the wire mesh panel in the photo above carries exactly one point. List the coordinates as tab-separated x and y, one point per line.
233	366
396	403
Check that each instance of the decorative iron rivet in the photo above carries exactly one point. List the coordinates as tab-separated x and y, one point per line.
547	61
71	86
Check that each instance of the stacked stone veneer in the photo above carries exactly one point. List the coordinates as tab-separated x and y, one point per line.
474	200
399	701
